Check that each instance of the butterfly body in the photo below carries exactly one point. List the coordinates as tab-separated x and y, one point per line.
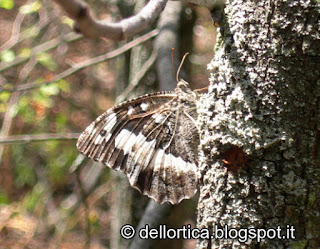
153	139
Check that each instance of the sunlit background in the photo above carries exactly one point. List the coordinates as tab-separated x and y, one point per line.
41	199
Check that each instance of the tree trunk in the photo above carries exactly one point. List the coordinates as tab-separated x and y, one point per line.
260	123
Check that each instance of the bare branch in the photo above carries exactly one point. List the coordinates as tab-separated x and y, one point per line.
152	216
15	32
38	137
7	120
168	38
93	28
14	39
87	63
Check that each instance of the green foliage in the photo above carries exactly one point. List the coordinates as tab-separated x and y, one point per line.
50	157
94	221
25	174
61	121
300	244
3	198
25	52
59	162
63	85
34	197
47	61
312	197
8	56
24	167
41	97
48	90
30	8
7	4
32	31
4	97
25	110
68	21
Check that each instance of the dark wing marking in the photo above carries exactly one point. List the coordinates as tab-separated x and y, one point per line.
135	137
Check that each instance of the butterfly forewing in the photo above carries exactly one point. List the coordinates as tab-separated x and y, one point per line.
153	139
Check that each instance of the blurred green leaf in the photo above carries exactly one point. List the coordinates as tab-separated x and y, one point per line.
51	89
67	20
4	96
7	4
25	110
47	61
25	52
7	86
25	175
64	85
8	56
3	198
33	199
3	107
42	99
32	31
61	121
24	101
30	8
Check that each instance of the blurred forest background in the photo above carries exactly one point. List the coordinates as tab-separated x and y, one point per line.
53	84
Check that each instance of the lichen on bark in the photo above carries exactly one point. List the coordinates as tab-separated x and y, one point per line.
264	99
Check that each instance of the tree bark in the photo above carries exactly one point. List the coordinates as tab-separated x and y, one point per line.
260	123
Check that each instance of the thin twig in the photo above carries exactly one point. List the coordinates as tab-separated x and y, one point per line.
7	120
15	32
14	98
84	196
38	137
87	63
54	216
41	48
90	27
29	33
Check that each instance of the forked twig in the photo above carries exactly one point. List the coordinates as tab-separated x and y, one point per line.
87	63
90	27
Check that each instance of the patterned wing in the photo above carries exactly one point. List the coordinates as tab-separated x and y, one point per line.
153	139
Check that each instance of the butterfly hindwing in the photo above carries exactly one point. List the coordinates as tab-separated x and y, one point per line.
169	162
153	139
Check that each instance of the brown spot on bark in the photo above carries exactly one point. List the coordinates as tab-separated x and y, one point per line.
235	158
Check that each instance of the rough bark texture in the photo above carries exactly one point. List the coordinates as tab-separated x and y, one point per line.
264	101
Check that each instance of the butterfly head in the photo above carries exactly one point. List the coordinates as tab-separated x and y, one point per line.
183	89
183	84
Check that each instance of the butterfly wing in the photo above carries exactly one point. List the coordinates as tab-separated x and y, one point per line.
151	139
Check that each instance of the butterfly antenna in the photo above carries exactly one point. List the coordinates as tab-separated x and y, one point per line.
173	69
201	89
182	61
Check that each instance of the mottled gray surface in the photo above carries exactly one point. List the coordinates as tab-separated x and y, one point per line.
263	98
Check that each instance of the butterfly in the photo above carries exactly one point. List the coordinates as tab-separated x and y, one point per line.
153	139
